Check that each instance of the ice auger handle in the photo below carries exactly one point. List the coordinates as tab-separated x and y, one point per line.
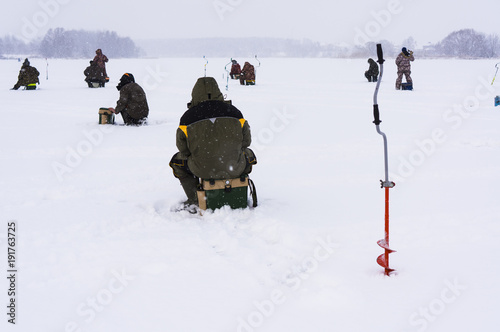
376	115
380	54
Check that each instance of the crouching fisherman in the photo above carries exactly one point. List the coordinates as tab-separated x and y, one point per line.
132	104
94	76
247	75
28	77
213	139
372	73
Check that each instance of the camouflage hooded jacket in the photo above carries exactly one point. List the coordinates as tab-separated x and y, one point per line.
403	62
248	71
100	58
27	75
133	101
94	72
373	70
213	134
235	69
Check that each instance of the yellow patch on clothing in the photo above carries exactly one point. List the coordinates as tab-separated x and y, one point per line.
184	130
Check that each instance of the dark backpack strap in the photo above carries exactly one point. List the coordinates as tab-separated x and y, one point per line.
253	192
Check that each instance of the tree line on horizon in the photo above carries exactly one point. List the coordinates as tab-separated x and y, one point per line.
60	43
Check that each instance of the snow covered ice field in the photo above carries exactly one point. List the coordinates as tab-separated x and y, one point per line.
98	248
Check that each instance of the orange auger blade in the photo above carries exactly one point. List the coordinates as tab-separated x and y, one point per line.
383	260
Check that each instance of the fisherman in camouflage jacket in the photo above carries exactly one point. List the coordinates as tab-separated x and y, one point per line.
100	59
247	74
27	75
404	66
213	140
94	74
132	104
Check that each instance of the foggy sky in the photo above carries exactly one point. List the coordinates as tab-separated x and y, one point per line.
339	22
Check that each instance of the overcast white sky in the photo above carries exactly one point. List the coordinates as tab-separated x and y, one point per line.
340	22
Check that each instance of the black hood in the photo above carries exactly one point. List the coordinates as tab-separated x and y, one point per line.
126	79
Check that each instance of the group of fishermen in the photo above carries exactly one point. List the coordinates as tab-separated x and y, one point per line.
245	75
404	68
96	73
213	137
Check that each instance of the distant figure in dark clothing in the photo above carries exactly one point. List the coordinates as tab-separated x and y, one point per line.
372	73
100	59
94	74
247	76
235	70
28	77
132	103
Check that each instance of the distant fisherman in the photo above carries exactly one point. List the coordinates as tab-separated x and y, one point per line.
404	66
28	77
132	103
100	59
372	73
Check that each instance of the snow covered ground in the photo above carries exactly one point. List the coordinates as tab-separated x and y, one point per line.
98	248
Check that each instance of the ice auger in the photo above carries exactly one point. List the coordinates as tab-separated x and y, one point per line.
228	73
497	98
383	260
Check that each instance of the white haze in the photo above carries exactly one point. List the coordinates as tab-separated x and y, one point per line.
319	20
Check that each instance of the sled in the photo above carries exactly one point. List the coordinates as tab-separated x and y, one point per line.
106	116
96	84
214	194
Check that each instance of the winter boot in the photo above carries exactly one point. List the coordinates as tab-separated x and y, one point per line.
190	186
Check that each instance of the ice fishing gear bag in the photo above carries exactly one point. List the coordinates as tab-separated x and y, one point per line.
106	116
406	86
214	194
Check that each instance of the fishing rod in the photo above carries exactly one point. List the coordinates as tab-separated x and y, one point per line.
205	66
228	73
495	73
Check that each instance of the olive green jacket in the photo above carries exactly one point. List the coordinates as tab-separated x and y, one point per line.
213	134
133	101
